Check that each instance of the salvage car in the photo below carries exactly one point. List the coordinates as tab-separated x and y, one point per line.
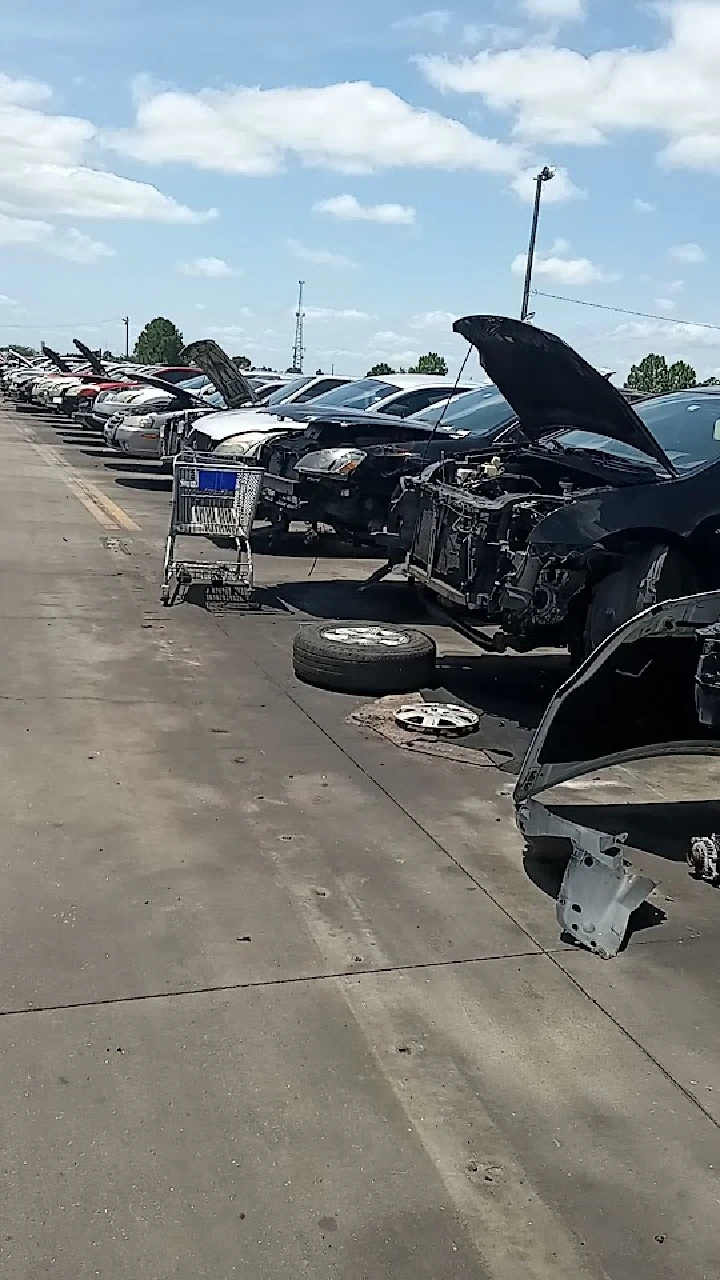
368	412
601	510
350	488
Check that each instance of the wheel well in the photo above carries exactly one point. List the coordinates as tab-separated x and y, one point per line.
623	543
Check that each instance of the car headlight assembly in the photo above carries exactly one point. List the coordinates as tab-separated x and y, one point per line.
331	462
239	446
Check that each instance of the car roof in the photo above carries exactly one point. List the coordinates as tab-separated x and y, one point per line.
410	381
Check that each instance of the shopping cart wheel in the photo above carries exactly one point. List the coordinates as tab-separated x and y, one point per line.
165	593
364	657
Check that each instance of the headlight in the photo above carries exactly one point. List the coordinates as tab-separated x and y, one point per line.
238	446
331	462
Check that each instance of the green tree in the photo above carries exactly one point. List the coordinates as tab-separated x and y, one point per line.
680	376
380	370
318	372
242	362
651	375
710	382
431	363
160	342
23	351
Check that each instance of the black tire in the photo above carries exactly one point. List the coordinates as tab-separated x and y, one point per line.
649	575
328	655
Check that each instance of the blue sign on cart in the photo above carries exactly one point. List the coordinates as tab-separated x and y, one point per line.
217	481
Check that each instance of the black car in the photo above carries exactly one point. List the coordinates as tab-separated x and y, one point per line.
602	510
369	412
351	488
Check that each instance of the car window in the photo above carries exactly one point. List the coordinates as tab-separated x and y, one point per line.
686	425
177	375
414	401
472	413
357	395
288	389
319	388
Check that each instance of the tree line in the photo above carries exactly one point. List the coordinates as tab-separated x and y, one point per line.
655	376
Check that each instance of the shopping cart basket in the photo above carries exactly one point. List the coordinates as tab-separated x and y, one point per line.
212	499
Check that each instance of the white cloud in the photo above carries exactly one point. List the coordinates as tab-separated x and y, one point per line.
211	268
690	253
559	188
71	243
561	270
643	206
387	338
434	20
433	320
675	286
555	10
228	331
349	208
319	257
354	127
44	169
562	96
678	334
5	301
78	247
665	304
492	35
329	313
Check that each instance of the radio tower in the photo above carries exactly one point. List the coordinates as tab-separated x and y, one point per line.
299	348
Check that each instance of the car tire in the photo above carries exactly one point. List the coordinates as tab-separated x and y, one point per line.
649	575
363	657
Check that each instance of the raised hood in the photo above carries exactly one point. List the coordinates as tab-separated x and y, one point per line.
219	368
57	360
550	386
90	356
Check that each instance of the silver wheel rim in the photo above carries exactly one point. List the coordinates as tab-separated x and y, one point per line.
436	718
367	636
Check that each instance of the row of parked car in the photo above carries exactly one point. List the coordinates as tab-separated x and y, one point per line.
537	504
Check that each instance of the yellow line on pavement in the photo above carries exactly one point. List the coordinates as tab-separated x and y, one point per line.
103	509
95	511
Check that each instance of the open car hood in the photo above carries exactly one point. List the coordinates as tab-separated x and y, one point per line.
550	386
635	697
219	368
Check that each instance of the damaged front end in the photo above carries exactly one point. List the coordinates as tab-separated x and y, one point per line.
652	688
473	543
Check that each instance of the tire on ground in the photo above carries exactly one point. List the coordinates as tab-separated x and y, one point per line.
624	593
355	657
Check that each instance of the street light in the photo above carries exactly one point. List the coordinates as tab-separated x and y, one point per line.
545	175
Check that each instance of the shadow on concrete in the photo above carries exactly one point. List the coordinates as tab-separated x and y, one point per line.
140	466
155	483
342	599
326	546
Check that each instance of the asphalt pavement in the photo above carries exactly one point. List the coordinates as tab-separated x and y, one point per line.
279	999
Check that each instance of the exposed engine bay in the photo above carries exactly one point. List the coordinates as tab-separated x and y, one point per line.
472	539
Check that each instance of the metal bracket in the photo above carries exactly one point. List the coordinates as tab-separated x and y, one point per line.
599	891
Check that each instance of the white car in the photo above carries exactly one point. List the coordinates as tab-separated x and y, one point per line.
398	395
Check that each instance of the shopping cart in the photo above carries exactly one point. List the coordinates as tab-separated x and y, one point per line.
212	499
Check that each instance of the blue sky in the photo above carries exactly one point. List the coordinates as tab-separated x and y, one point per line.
196	161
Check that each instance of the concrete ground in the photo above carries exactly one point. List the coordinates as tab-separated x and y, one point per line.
279	999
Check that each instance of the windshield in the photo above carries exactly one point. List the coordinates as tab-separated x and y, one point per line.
288	389
474	413
356	395
194	384
686	425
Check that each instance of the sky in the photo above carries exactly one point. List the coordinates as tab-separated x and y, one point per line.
196	161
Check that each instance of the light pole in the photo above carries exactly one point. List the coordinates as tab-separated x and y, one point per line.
545	175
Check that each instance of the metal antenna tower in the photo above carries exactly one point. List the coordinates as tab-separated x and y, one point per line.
299	348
